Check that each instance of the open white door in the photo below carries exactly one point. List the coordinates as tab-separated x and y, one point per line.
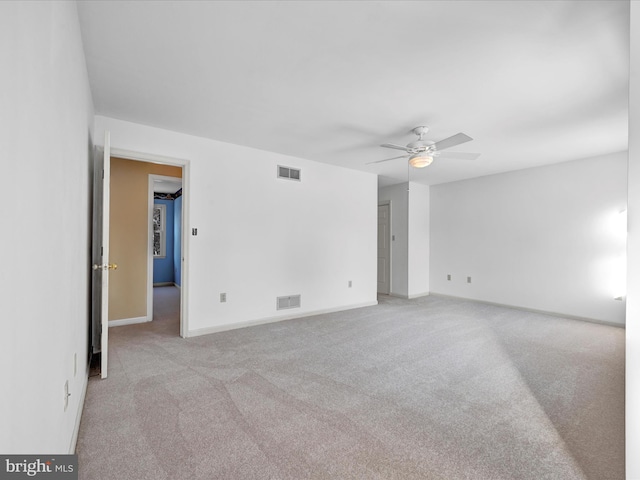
384	249
101	265
106	266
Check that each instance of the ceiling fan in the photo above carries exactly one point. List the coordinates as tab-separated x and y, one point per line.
422	152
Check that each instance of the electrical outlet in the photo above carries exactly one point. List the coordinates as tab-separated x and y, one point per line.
449	278
223	297
468	279
350	283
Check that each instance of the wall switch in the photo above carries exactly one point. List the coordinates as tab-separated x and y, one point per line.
223	297
350	283
468	279
194	231
449	277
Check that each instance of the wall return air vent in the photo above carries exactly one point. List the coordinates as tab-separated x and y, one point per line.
291	301
289	173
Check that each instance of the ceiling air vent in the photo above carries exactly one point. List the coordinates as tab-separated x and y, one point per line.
292	301
288	173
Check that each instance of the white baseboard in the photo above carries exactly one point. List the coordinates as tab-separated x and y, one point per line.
407	297
76	428
533	310
252	323
418	295
166	284
128	321
398	295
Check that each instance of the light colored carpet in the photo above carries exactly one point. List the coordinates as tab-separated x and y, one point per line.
430	388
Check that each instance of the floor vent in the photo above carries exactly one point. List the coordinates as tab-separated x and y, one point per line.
292	301
289	173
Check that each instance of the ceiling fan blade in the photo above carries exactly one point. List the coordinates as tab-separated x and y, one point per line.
459	155
393	145
387	159
452	141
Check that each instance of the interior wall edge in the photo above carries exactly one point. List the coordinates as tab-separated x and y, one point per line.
252	323
129	321
76	429
533	310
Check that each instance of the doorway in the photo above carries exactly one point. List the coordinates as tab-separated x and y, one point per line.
164	223
131	294
384	248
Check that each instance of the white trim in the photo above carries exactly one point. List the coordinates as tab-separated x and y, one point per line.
409	297
76	428
129	321
533	310
261	321
186	196
418	295
397	295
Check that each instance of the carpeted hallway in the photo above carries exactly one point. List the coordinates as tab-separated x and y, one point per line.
431	388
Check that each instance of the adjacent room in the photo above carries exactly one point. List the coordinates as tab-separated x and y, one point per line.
369	239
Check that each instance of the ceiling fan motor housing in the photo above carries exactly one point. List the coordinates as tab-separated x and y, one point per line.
419	146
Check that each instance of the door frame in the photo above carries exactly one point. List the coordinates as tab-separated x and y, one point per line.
186	197
152	179
387	203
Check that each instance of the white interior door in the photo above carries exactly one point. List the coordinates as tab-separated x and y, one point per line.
106	266
101	265
384	249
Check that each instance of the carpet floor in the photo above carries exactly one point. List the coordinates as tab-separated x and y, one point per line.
430	388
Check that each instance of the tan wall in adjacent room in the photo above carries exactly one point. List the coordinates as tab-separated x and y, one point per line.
128	235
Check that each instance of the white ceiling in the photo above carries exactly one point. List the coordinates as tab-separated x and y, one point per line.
167	186
533	82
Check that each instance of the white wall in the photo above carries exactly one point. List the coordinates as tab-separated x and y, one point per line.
45	138
418	268
633	258
546	238
399	200
260	237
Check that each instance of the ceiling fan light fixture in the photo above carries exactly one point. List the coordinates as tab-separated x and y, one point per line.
420	160
422	152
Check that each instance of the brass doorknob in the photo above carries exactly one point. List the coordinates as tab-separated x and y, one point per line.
105	267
